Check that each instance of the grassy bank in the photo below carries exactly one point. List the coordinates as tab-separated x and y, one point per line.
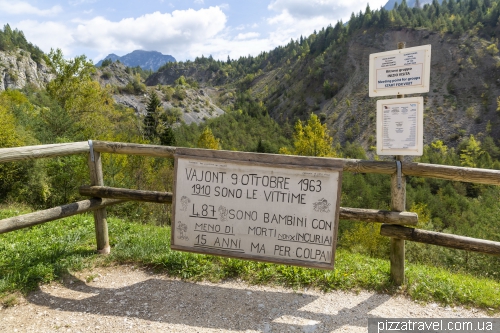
45	253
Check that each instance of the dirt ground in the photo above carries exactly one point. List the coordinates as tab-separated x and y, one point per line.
126	299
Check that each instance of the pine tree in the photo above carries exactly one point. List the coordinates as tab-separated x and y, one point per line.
167	137
151	119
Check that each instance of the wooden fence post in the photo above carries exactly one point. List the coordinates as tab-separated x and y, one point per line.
101	225
398	204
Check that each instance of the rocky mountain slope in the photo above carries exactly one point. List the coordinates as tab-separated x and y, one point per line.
17	69
465	84
192	104
462	100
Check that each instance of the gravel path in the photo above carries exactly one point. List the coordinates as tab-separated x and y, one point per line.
125	299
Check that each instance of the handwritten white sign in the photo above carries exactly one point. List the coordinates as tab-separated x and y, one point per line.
404	71
277	213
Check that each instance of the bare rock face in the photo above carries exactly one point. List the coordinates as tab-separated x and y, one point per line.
17	70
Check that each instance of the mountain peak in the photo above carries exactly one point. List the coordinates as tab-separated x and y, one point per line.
147	60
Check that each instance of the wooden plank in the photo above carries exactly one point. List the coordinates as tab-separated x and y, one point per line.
364	166
100	216
41	151
397	246
265	207
441	239
263	159
127	194
471	175
381	216
398	204
454	173
31	219
346	213
134	149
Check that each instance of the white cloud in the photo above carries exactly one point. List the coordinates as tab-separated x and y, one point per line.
248	35
80	2
24	8
174	33
302	17
47	35
332	9
185	34
199	2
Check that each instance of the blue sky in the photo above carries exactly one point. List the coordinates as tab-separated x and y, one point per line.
184	29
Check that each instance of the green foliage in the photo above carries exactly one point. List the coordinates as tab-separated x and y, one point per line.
106	62
207	140
329	90
152	115
10	173
471	154
106	75
69	75
168	92
135	86
180	93
311	139
142	74
11	40
74	108
158	122
238	130
492	49
365	238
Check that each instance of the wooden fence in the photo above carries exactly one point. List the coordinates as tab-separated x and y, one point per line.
393	222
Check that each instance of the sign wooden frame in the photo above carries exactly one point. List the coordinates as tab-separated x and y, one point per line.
399	121
264	207
398	72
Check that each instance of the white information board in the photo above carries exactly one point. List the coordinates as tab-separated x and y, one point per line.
253	210
397	72
400	126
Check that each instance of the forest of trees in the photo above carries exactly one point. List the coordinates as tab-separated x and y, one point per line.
14	39
454	17
74	107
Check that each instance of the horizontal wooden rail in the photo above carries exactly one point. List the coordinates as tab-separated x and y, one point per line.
42	216
448	172
134	149
365	215
461	174
126	194
40	151
472	175
381	216
441	239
